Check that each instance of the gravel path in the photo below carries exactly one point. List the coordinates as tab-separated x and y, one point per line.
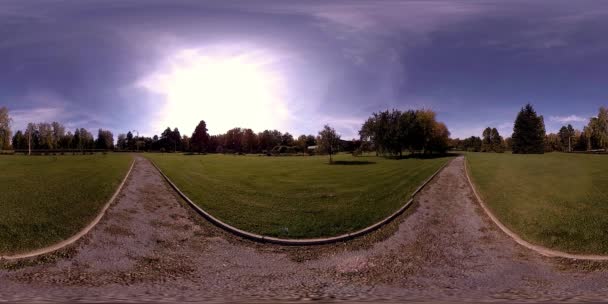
149	246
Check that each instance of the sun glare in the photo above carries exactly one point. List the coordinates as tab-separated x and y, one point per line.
225	91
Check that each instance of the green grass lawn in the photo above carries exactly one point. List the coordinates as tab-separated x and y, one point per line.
46	199
298	196
556	200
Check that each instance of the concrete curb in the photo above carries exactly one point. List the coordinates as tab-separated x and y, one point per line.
539	249
298	242
78	235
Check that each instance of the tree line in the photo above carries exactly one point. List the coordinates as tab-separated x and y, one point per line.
529	136
51	136
235	140
387	132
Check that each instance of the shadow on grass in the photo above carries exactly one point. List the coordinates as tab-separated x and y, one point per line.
353	162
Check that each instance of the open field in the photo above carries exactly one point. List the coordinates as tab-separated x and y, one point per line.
556	200
297	197
46	199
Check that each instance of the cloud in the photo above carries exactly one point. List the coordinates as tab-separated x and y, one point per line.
568	119
46	114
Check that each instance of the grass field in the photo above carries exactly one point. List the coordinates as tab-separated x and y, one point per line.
46	199
556	200
297	197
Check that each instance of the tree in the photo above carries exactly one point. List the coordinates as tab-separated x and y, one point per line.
472	144
58	132
66	141
486	142
528	132
19	141
30	134
287	139
368	134
130	144
393	131
498	144
301	143
423	130
552	143
269	139
121	142
311	140
185	143
176	139
328	141
566	134
105	140
83	139
166	140
46	136
492	141
5	129
407	130
200	138
249	141
233	140
439	138
597	130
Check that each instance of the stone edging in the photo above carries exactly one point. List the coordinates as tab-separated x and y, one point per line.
78	235
298	242
539	249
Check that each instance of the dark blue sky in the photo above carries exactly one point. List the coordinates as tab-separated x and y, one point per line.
295	66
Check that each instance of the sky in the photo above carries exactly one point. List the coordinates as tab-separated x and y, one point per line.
297	65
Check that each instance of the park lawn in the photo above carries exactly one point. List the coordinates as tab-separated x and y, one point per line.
557	200
47	199
297	196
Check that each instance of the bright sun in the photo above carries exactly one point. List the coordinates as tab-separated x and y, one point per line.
225	91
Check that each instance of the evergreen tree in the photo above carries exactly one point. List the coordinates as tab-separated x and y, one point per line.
528	132
200	138
19	141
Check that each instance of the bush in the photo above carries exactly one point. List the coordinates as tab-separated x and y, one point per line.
284	150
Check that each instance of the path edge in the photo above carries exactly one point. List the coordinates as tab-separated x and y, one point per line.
299	242
537	248
77	236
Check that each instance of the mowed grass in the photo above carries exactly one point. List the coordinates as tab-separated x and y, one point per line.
557	200
46	199
298	196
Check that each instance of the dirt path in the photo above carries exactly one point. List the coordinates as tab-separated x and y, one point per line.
150	246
